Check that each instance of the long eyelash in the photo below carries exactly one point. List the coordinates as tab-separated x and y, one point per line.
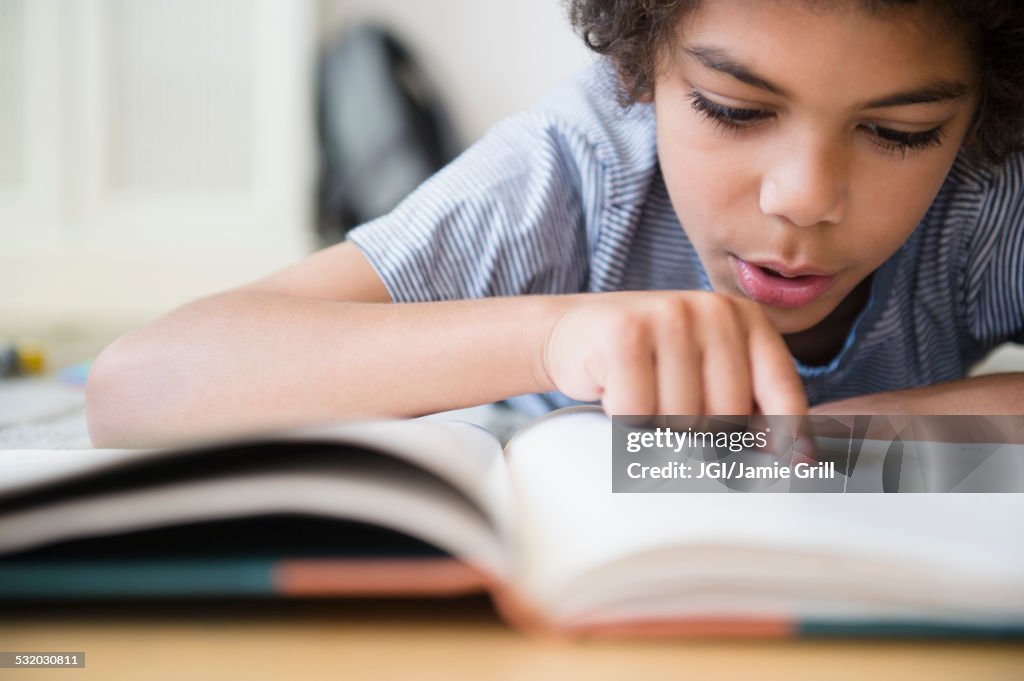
894	141
725	116
902	142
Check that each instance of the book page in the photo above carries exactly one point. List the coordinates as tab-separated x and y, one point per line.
584	551
397	499
458	454
464	455
22	469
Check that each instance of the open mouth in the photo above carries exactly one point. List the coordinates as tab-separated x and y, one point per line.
770	286
775	273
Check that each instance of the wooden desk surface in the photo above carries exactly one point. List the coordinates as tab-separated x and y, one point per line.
444	639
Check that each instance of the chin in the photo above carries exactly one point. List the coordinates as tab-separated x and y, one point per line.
791	321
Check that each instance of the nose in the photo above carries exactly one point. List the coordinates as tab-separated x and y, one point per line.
806	183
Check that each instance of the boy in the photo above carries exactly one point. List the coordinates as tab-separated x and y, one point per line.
806	203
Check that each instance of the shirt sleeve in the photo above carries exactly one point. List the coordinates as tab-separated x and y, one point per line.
504	218
994	283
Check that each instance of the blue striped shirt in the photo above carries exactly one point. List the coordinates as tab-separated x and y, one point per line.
568	198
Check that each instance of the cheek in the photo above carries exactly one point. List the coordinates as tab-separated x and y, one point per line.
888	201
706	179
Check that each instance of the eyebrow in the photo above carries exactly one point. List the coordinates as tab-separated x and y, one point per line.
936	91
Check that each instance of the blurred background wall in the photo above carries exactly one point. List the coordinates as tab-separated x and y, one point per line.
152	151
491	58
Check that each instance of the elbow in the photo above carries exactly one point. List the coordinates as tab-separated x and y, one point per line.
111	395
147	388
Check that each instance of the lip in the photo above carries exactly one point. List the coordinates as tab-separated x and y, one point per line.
789	270
777	291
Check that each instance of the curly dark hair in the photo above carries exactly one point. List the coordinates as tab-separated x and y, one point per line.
634	33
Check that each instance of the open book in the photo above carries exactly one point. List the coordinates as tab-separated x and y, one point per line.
422	507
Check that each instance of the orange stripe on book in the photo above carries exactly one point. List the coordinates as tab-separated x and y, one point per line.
375	577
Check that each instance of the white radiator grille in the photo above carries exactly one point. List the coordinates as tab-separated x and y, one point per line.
12	91
180	113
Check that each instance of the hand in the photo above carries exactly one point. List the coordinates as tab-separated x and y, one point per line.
672	352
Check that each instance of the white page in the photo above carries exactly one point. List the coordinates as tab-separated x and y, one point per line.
464	455
572	523
25	468
406	502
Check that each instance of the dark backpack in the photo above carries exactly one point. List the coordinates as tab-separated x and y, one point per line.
382	130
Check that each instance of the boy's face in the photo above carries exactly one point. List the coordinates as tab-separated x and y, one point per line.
813	177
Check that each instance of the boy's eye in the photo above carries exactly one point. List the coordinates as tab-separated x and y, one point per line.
733	119
725	116
900	142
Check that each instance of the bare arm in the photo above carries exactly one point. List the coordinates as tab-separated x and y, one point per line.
315	342
993	394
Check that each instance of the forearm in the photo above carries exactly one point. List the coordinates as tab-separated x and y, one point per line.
992	394
247	360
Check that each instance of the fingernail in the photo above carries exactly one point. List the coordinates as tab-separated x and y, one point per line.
805	450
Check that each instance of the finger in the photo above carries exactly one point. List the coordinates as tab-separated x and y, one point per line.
789	438
726	368
678	360
776	386
758	423
630	388
805	449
